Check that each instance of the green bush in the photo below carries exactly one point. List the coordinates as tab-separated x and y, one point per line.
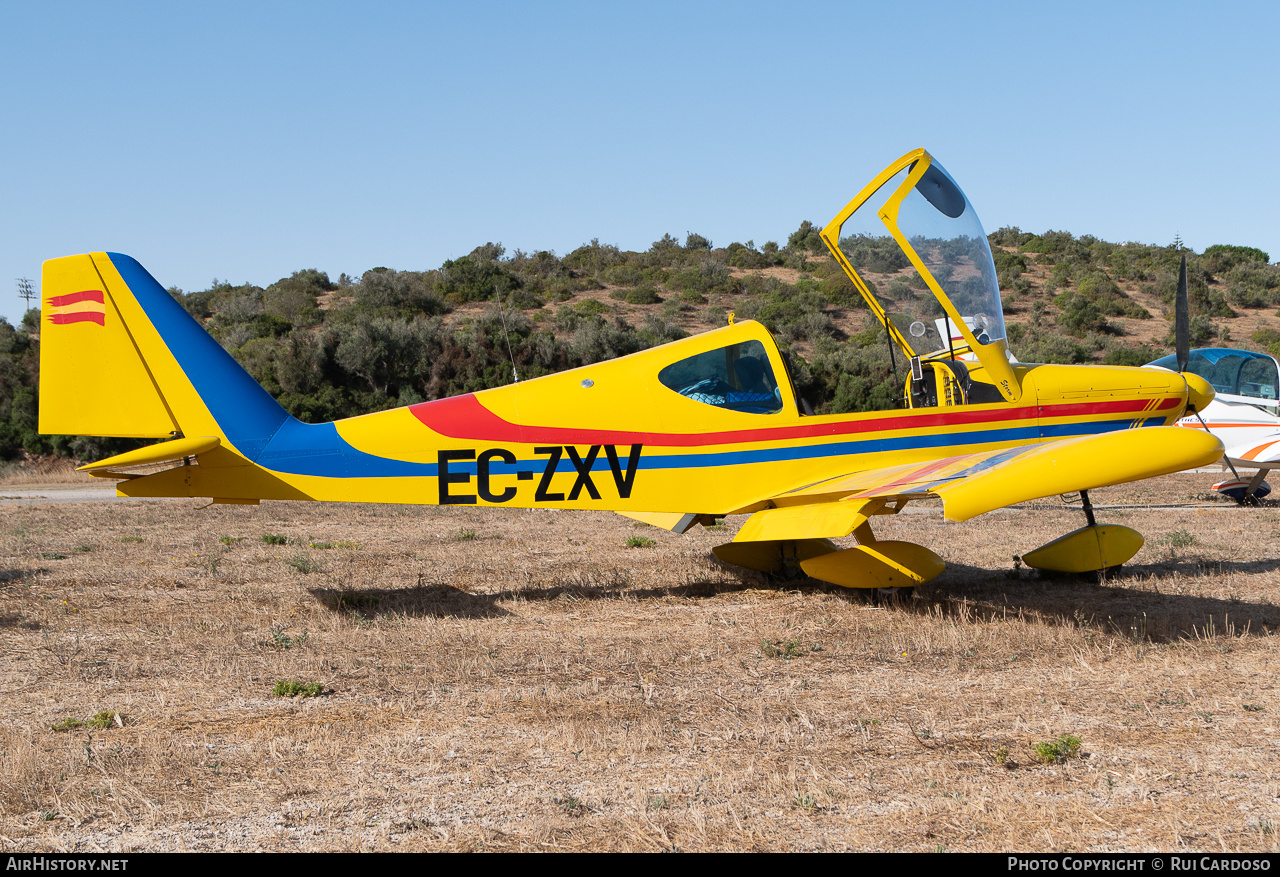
1268	340
626	274
593	257
1221	257
467	280
1132	356
1057	751
285	688
1110	300
1050	242
591	306
641	295
806	239
747	256
694	241
1009	266
1009	236
878	255
1080	316
664	244
402	294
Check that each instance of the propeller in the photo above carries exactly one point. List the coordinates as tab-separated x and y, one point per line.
1182	347
1182	320
1200	393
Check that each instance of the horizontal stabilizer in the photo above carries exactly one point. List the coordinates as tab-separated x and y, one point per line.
165	452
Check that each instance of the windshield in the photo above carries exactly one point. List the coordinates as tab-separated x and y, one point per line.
942	227
937	221
914	226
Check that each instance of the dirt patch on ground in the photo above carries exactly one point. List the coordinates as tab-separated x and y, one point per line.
786	275
498	679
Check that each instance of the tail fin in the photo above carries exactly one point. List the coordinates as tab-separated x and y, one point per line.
120	357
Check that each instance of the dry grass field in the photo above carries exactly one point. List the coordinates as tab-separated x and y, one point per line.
524	680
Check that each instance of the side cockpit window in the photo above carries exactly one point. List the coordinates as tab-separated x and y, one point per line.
737	377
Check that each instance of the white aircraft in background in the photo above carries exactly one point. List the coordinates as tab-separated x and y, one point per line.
1244	415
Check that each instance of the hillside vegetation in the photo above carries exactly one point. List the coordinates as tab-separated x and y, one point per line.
330	349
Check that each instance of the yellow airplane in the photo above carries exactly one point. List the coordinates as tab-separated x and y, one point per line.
674	436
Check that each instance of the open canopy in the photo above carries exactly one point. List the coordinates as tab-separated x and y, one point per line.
915	215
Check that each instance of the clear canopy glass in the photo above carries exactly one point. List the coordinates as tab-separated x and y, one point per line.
935	223
1231	372
944	230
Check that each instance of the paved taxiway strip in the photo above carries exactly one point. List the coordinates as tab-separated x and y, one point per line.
63	493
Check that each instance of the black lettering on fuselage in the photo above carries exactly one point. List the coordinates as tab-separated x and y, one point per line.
542	495
446	477
623	477
584	471
625	483
482	475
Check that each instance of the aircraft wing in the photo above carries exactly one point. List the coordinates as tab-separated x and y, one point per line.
971	484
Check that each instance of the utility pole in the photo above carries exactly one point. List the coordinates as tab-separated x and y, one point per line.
26	291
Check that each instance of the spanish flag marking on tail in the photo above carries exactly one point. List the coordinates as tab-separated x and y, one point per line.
93	379
86	306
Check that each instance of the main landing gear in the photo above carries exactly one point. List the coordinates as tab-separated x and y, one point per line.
890	569
1094	548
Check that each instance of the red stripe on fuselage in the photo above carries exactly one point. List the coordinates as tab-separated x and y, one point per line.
464	417
73	298
79	317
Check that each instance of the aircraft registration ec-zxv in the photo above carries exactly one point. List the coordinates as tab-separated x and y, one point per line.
674	436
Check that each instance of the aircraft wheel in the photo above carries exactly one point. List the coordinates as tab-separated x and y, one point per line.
891	596
1102	576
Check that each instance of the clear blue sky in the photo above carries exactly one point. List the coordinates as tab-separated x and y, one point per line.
245	141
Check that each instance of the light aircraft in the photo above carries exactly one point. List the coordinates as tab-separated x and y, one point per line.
1244	413
673	436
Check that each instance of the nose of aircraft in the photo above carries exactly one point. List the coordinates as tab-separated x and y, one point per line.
1199	392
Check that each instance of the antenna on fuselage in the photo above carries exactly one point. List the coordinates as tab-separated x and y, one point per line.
502	312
